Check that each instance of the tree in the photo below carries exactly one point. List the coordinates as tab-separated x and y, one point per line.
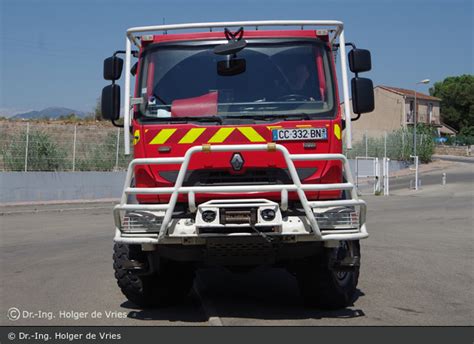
98	111
70	117
457	101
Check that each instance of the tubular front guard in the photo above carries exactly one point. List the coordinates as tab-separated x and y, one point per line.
154	223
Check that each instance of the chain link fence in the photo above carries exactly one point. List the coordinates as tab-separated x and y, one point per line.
37	146
395	145
31	146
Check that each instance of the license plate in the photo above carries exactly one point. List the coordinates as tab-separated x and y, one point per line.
300	134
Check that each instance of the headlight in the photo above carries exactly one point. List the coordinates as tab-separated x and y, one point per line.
142	221
338	218
268	214
209	215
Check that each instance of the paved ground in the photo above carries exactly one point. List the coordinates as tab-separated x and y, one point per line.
417	268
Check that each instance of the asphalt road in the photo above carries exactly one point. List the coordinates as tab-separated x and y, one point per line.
417	269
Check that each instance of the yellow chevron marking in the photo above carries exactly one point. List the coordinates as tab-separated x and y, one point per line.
251	134
304	126
221	135
192	135
136	136
162	136
337	131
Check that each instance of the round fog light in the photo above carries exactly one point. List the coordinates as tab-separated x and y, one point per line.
268	214
209	215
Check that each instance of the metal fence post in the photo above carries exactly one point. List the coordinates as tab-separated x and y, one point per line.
416	172
27	142
377	176
74	149
117	150
357	171
384	144
403	146
386	176
366	145
384	179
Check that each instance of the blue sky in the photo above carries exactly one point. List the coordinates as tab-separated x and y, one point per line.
52	50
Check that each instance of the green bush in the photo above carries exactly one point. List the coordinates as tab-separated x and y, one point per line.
465	137
103	157
460	140
425	143
399	145
43	153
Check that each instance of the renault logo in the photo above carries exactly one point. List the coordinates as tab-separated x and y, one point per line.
237	162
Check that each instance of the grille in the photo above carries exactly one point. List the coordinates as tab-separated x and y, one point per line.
256	176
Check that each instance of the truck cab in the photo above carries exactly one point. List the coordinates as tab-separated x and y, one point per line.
237	137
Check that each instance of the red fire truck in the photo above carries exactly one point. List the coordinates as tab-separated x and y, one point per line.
237	138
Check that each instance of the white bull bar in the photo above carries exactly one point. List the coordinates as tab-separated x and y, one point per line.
297	187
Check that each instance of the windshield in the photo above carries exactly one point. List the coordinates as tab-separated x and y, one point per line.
285	78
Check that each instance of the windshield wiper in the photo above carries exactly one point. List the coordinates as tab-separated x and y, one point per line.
271	117
297	117
185	119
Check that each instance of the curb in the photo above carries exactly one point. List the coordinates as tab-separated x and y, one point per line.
78	201
454	158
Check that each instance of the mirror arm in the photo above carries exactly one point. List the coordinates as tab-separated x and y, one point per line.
134	52
119	52
343	122
335	46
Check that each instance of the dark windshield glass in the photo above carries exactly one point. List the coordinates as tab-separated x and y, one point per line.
287	78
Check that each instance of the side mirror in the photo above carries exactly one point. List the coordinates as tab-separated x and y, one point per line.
231	67
359	60
113	68
362	95
110	102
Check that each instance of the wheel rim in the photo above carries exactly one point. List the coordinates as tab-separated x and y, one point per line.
345	249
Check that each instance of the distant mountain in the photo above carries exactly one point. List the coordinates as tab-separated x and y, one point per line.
49	113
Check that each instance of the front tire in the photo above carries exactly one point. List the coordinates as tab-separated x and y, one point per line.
169	283
322	287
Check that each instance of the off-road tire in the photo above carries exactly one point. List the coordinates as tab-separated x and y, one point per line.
324	288
170	283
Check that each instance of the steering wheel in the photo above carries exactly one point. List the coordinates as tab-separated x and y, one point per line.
294	97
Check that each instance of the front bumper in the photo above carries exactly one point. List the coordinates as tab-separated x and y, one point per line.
154	223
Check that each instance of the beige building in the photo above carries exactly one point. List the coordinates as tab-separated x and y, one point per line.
394	109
